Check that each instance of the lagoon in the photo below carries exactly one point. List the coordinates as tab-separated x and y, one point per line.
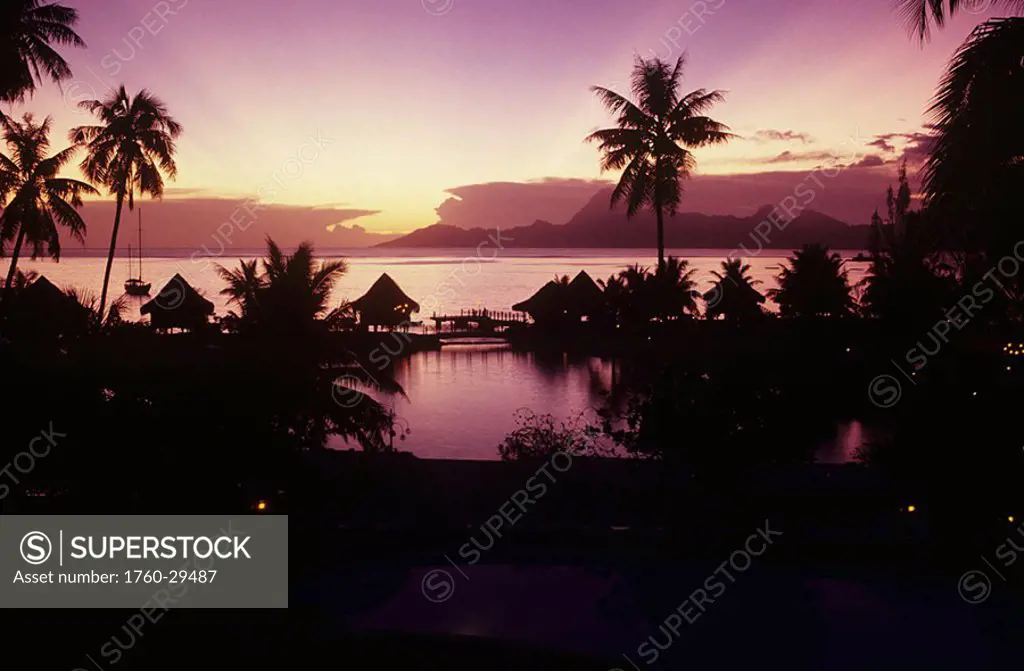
462	400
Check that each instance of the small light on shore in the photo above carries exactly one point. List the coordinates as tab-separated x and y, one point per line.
1010	519
262	505
911	509
847	349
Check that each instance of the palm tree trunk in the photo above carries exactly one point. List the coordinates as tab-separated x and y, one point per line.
110	255
14	258
661	217
661	237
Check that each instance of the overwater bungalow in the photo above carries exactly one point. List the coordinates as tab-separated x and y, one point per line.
586	298
565	303
546	306
384	304
178	306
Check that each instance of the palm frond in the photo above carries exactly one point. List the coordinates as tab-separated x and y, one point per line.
918	15
28	28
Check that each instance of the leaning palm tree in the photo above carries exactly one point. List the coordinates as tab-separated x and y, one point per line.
39	200
652	141
127	153
28	28
815	284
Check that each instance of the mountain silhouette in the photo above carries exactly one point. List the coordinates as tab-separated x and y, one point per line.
597	226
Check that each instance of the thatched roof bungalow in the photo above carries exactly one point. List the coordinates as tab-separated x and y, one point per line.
179	306
384	304
43	294
546	305
43	306
585	297
733	301
565	302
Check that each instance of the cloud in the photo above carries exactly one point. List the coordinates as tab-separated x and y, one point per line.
176	191
509	204
869	161
851	196
772	135
791	157
224	223
916	146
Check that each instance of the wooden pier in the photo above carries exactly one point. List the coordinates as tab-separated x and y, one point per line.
477	321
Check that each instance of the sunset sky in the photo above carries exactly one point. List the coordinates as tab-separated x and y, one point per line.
412	98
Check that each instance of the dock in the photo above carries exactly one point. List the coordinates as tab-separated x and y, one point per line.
483	321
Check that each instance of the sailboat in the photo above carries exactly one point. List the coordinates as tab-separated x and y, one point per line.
134	286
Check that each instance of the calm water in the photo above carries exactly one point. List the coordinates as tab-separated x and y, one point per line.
449	279
463	399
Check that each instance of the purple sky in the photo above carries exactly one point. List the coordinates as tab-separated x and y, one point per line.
411	98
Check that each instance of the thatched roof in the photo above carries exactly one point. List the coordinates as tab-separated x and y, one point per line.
385	294
43	292
548	298
584	294
43	296
713	293
179	297
581	296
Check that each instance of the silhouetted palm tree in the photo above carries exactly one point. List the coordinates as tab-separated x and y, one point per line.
814	285
652	141
909	280
906	289
635	277
99	320
976	166
637	308
976	163
22	279
733	295
290	294
918	15
285	299
127	153
615	296
674	293
28	28
40	200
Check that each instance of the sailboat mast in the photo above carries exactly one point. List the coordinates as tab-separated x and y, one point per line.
140	242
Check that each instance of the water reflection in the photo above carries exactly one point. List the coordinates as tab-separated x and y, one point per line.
462	400
850	437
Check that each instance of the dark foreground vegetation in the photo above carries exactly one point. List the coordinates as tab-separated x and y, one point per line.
716	402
